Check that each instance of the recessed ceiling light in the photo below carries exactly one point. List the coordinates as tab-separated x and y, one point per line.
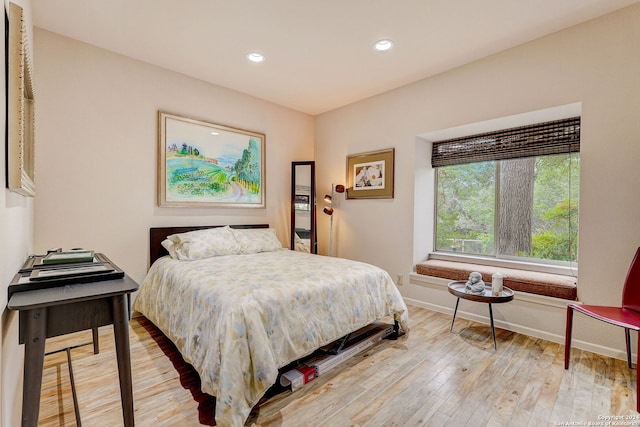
215	133
384	44
255	57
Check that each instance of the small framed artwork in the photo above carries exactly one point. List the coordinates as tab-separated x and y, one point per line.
370	175
203	164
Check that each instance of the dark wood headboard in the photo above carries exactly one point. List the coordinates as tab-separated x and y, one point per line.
158	234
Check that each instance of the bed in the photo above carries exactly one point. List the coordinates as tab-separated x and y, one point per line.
239	315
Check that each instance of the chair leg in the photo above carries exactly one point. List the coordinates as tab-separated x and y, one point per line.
567	337
627	339
638	381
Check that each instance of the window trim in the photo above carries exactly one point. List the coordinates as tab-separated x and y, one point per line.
485	121
565	268
568	133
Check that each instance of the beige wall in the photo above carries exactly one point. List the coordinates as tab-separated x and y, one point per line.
16	242
595	64
96	160
96	115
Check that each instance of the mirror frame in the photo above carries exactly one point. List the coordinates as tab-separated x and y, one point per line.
313	246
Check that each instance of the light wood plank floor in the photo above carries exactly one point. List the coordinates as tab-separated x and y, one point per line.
430	377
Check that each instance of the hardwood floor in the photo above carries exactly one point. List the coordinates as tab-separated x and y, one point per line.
430	377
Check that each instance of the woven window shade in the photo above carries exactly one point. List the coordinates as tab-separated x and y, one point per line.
556	137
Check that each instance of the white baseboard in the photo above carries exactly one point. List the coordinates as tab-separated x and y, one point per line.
526	300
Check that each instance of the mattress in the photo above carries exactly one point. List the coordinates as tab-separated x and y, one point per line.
238	318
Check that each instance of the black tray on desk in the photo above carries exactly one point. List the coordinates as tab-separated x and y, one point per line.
34	262
22	281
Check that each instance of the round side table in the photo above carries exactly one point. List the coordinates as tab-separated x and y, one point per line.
457	288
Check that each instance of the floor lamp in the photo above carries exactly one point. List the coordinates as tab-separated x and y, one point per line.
328	199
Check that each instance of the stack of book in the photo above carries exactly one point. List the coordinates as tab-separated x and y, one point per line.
69	257
63	268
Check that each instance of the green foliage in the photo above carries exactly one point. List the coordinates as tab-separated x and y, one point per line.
466	200
200	188
247	168
465	208
556	198
218	176
553	246
559	241
189	175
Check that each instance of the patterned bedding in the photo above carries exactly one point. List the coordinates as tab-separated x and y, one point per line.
238	318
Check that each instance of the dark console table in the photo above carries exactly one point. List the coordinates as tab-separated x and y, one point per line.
59	310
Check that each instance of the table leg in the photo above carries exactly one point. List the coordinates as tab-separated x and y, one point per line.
74	393
454	314
121	333
96	342
493	329
34	342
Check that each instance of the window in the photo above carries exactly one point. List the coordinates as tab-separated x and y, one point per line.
510	194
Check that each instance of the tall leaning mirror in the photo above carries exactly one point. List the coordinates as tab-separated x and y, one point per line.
303	207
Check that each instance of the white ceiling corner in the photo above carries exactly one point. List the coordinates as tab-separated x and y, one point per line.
319	55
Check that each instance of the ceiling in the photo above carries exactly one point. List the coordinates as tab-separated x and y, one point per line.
319	54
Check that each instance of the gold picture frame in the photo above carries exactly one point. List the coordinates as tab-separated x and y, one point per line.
370	175
20	107
205	165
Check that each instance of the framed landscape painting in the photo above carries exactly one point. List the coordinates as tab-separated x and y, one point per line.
370	175
202	164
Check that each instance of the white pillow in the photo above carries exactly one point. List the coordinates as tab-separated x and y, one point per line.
170	247
205	243
299	244
254	240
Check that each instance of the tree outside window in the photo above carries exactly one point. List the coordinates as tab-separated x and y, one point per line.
523	207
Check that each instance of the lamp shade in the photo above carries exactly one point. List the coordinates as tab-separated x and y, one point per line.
339	188
327	198
328	211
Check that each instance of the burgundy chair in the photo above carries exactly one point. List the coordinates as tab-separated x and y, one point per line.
626	316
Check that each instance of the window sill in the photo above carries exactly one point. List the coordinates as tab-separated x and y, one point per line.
540	283
558	269
441	284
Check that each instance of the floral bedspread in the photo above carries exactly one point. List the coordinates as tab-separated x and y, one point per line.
238	318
